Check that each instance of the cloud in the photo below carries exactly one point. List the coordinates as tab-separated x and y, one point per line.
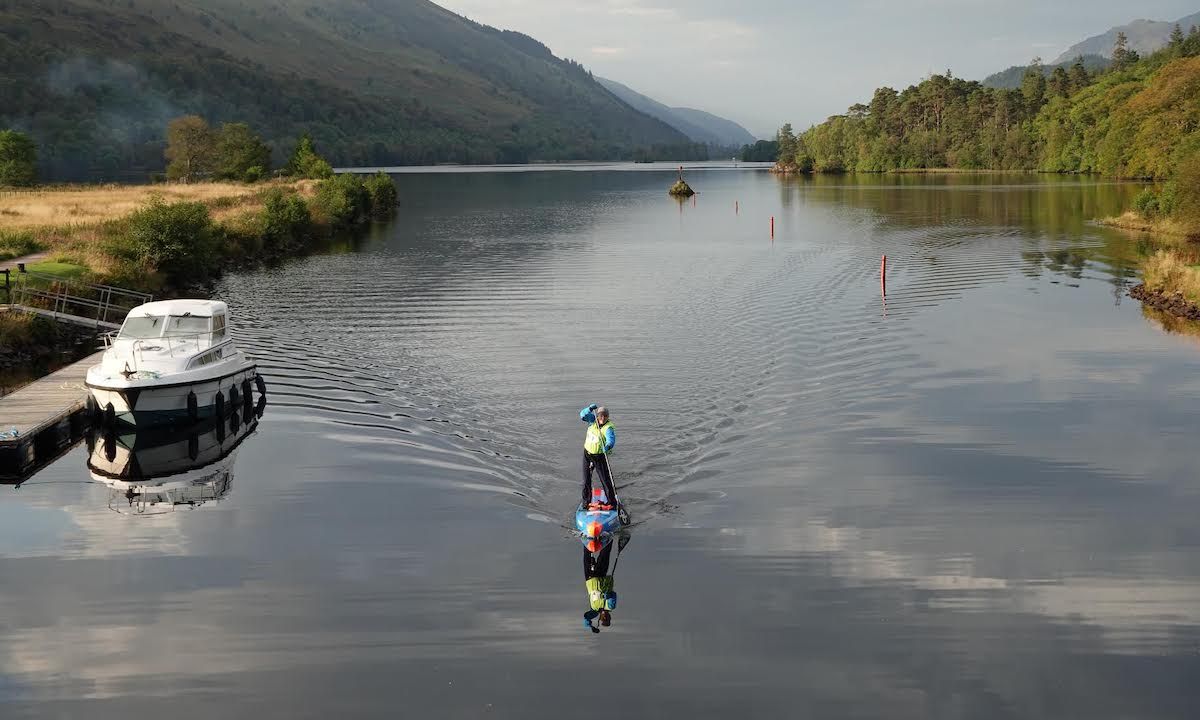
602	50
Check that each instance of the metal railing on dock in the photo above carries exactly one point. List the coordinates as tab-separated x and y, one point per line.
100	306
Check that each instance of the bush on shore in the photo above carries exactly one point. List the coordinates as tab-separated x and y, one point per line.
382	190
342	202
286	223
178	239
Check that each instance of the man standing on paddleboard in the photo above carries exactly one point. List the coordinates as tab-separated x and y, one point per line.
597	443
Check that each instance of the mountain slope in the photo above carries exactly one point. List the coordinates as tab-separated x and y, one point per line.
374	81
700	126
1145	36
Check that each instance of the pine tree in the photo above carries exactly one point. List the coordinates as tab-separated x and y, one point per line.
1078	75
1121	52
1177	37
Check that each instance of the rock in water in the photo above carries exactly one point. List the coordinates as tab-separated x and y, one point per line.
681	189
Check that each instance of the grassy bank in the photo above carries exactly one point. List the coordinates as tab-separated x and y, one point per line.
167	238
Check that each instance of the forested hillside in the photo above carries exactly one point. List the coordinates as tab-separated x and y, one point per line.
376	82
1139	119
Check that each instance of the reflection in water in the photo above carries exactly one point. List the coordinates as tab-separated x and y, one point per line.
599	579
156	470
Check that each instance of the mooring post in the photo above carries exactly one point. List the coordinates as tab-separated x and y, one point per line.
883	276
772	227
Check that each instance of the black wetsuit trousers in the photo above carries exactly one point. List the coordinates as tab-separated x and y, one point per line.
600	463
596	567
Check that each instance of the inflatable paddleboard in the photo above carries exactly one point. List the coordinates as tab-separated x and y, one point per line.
597	522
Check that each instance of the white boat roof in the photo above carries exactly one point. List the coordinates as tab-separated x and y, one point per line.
198	308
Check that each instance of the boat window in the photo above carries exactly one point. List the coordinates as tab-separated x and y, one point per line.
144	326
178	325
218	327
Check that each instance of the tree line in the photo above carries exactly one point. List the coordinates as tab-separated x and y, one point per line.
1138	118
194	151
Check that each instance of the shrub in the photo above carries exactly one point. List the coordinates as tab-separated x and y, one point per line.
286	222
179	239
382	191
1169	272
341	202
15	244
254	174
306	163
1146	203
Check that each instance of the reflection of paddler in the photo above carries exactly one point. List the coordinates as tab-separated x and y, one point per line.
602	599
600	439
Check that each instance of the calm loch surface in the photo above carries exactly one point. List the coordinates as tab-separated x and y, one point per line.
977	499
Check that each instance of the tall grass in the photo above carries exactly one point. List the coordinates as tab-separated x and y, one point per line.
15	244
1173	271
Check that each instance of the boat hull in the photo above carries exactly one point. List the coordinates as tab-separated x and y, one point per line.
175	403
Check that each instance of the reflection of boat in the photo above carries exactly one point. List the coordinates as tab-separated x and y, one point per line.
159	469
171	362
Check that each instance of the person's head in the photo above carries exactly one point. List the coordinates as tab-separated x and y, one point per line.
601	415
605	618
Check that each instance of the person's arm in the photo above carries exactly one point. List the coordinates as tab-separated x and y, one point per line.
588	414
610	439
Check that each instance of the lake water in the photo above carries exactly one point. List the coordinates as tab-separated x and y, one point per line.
976	499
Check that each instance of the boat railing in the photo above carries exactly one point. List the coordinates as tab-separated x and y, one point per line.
189	345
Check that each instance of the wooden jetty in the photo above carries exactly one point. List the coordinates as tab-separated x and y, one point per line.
50	415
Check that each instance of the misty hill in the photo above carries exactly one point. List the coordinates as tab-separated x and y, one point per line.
700	126
1145	36
1011	78
376	82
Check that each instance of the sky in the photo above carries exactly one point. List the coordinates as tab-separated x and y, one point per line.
766	62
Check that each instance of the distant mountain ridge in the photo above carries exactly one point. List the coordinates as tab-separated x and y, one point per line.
1145	36
376	82
1011	78
698	125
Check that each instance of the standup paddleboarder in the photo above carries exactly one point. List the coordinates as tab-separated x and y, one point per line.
597	443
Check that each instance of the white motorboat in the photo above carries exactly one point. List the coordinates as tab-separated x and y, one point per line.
172	362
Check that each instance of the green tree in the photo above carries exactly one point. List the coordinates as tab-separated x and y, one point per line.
241	154
1177	38
1187	193
382	190
1123	58
786	139
1033	87
306	163
1059	83
18	159
1078	75
190	148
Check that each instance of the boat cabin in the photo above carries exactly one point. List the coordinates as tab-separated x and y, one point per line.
203	322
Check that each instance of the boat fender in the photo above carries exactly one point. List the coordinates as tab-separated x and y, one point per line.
220	431
235	421
110	417
234	397
261	385
110	445
193	409
262	405
193	446
247	401
220	405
